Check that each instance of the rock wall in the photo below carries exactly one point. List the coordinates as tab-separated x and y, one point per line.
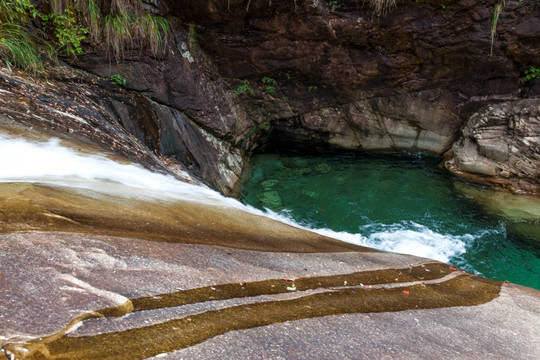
237	76
404	80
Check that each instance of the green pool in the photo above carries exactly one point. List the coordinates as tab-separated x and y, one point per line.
401	203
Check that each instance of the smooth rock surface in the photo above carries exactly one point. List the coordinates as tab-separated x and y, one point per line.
67	277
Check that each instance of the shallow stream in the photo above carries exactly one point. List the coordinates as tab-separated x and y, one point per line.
403	203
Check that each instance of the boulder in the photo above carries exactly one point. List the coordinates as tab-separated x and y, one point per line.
500	146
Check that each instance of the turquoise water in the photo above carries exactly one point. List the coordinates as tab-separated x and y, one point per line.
401	203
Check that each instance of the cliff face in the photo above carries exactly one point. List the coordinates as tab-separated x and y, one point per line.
347	78
238	76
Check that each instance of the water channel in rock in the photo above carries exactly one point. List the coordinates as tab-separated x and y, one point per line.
403	203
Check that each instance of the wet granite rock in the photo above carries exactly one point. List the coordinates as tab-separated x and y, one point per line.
422	121
122	297
500	145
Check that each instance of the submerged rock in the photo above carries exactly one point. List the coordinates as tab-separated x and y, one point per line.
522	212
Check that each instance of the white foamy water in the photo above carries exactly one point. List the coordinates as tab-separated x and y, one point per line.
51	163
54	164
419	240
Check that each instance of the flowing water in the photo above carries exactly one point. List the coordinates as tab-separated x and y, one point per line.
402	203
395	203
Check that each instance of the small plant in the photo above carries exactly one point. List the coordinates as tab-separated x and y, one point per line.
270	84
118	80
67	31
532	73
333	5
192	34
244	88
311	88
287	74
270	89
268	80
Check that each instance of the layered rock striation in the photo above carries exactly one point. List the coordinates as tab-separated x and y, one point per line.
500	145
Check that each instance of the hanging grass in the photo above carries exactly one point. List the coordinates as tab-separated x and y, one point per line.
152	27
118	33
381	7
18	47
496	13
119	24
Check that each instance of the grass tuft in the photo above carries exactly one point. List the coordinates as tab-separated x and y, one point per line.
18	47
381	7
496	13
119	24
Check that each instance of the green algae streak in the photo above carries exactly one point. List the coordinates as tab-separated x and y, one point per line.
143	342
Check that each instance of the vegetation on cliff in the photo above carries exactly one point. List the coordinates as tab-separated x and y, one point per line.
64	25
18	47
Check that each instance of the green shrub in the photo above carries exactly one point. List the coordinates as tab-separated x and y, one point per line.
118	79
68	32
244	88
532	73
